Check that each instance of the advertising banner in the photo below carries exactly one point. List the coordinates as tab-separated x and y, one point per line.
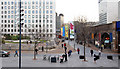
66	31
63	31
71	30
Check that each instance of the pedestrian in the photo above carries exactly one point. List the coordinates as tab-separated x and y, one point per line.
91	51
95	58
78	50
42	48
69	53
16	53
99	53
36	51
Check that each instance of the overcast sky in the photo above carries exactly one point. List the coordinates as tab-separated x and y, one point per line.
74	8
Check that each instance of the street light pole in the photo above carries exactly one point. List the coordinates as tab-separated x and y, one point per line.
20	37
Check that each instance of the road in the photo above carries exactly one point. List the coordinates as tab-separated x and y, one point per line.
73	60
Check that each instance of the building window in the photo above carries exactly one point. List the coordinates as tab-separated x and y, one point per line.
50	16
36	7
33	2
50	21
12	12
11	16
33	11
28	7
47	7
25	12
50	7
47	21
12	2
28	2
43	21
32	7
32	16
36	11
29	11
51	11
40	21
44	12
51	2
25	7
36	21
5	12
36	16
40	12
12	7
5	21
8	21
28	21
25	16
5	7
1	3
5	16
2	7
47	11
28	16
25	21
32	21
39	16
1	12
11	21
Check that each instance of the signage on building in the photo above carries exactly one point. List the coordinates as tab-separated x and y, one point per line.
118	25
63	31
66	30
71	30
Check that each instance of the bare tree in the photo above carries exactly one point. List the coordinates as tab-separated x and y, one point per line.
82	31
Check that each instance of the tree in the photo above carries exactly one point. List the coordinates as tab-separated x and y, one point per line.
82	31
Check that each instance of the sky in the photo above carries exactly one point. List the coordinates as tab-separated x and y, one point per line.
75	8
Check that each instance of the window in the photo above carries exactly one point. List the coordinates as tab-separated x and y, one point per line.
36	2
1	12
36	26
47	21
28	16
47	2
2	7
51	2
36	21
40	21
39	16
5	3
51	12
2	16
32	16
12	25
33	2
28	21
11	30
25	16
8	21
43	16
36	11
25	12
29	11
12	12
50	21
43	21
28	2
28	7
50	7
50	16
47	16
47	11
36	7
5	21
47	7
8	16
33	11
5	16
25	7
11	21
44	12
32	7
8	3
25	2
12	7
36	16
11	16
1	3
40	7
40	12
5	7
8	12
32	21
8	7
2	21
5	12
12	2
8	26
25	21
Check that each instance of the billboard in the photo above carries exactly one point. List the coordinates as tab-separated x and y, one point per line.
71	30
63	31
66	30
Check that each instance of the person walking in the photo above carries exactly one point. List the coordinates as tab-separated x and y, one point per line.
16	53
91	51
42	48
99	53
78	50
36	51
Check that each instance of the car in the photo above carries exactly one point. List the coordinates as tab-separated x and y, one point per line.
4	53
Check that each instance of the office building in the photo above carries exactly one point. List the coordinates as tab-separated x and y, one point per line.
39	17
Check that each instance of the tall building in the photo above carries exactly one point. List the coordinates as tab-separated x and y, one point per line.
119	11
59	22
108	11
39	17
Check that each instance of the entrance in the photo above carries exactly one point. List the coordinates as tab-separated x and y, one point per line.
118	41
105	40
